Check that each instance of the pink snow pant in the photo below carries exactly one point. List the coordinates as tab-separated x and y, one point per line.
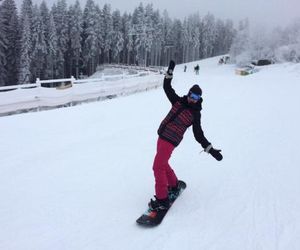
163	173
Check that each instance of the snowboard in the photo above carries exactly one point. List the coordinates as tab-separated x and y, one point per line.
153	217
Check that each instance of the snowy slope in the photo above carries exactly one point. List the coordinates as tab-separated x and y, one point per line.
77	178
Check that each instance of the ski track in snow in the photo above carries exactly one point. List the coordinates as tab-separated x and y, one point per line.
78	178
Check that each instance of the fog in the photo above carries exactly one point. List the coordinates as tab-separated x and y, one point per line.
269	13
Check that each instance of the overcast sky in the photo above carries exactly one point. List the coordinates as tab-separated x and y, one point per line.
268	12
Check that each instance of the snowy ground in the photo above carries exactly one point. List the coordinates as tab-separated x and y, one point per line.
77	178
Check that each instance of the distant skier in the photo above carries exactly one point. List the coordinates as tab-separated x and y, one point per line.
197	68
185	112
185	67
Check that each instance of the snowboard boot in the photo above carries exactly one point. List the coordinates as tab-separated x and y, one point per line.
159	204
173	192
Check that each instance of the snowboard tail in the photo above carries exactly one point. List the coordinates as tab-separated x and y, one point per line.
154	217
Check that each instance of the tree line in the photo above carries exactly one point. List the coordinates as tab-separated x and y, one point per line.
67	40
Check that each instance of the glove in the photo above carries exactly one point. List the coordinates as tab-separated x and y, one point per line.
214	152
171	68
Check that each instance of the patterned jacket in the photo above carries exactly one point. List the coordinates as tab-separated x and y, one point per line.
181	116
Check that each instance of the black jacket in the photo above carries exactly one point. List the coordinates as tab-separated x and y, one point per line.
181	116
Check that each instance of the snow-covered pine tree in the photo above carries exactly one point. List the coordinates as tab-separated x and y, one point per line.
53	52
90	37
167	41
107	32
117	39
239	49
259	45
185	41
130	44
99	34
3	44
177	36
39	46
195	33
44	10
157	38
139	34
229	34
60	15
209	35
126	19
294	41
219	45
45	15
224	36
10	26
25	53
26	12
149	23
75	30
24	74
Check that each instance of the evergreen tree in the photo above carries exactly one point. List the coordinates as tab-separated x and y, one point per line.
126	20
99	34
229	34
195	39
3	46
46	26
90	37
158	37
107	32
26	12
76	29
168	41
240	45
177	36
53	52
209	35
59	43
149	30
44	11
186	40
25	75
117	37
140	36
12	34
39	46
25	56
220	35
259	45
60	15
130	44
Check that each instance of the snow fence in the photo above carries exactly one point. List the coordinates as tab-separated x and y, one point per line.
35	97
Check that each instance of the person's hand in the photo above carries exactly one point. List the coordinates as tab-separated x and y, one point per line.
216	154
171	68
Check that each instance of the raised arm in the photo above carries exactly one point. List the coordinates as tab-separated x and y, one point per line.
170	92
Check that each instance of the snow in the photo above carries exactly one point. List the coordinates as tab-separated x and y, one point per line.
78	177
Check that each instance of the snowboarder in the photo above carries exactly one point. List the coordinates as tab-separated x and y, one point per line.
185	112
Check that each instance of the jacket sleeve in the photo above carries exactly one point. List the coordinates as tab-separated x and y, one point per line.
170	92
198	132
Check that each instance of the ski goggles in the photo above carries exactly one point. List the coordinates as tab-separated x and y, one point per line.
194	96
